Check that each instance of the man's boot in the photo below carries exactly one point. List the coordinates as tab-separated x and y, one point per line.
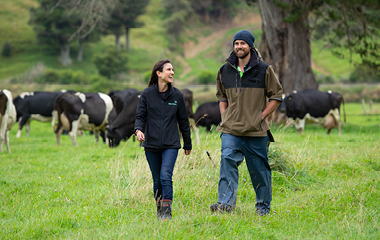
166	209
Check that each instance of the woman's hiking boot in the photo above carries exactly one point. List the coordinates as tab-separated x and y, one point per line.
166	209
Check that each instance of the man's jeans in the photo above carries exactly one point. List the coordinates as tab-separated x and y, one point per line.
161	165
255	151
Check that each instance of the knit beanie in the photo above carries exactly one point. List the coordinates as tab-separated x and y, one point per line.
246	36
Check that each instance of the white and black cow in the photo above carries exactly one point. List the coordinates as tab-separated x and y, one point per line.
34	106
208	114
7	117
315	106
83	111
122	126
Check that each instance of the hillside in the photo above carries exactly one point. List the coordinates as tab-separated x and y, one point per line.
204	50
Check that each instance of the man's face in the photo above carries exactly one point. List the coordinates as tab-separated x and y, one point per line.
242	49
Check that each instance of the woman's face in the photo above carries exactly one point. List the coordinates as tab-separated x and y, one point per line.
167	73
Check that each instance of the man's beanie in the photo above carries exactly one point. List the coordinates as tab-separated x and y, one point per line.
246	36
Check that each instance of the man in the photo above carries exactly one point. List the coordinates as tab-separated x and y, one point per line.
244	83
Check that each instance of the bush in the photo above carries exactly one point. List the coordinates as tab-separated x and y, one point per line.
100	84
110	63
7	50
66	76
147	76
49	76
206	77
363	74
69	76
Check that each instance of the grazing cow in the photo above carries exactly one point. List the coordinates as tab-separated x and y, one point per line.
84	111
7	117
188	96
34	106
315	106
122	126
208	114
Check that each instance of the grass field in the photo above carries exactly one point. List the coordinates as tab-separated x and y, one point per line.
329	189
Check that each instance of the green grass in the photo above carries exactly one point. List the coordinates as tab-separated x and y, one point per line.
92	192
338	68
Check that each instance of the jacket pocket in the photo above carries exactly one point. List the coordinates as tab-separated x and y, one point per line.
254	120
248	120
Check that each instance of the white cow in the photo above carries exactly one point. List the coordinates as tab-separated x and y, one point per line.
7	117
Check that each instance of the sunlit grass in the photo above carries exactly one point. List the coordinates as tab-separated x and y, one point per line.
330	191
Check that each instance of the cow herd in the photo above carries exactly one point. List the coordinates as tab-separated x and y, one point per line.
112	115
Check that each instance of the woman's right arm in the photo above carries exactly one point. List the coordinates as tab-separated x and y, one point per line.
140	118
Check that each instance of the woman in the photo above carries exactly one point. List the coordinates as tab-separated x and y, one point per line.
161	110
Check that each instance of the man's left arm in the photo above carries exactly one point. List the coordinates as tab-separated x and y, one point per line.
273	91
271	107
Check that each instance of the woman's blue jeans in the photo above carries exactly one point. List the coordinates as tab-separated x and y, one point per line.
161	165
255	152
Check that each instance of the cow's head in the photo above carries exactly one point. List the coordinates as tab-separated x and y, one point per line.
114	137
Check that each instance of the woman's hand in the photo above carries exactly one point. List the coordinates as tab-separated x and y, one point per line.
187	152
140	136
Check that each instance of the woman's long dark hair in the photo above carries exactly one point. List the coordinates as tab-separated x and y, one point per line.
159	66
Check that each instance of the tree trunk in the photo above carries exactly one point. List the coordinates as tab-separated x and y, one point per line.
286	46
80	50
65	54
127	38
117	40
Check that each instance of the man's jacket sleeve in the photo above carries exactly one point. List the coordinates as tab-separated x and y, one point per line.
220	90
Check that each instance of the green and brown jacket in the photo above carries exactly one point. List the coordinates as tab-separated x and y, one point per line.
246	96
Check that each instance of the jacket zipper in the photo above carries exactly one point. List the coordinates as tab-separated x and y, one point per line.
161	119
237	74
236	78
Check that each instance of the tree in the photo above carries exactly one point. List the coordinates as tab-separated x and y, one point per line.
177	13
286	46
92	13
216	9
125	14
287	31
54	26
114	26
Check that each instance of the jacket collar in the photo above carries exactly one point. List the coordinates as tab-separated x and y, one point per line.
232	59
171	89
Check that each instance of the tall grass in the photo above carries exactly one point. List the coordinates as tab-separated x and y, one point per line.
330	188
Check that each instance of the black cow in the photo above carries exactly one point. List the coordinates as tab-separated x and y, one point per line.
83	111
315	106
34	106
121	128
188	96
208	114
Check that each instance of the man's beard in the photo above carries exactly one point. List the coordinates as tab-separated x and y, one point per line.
243	56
